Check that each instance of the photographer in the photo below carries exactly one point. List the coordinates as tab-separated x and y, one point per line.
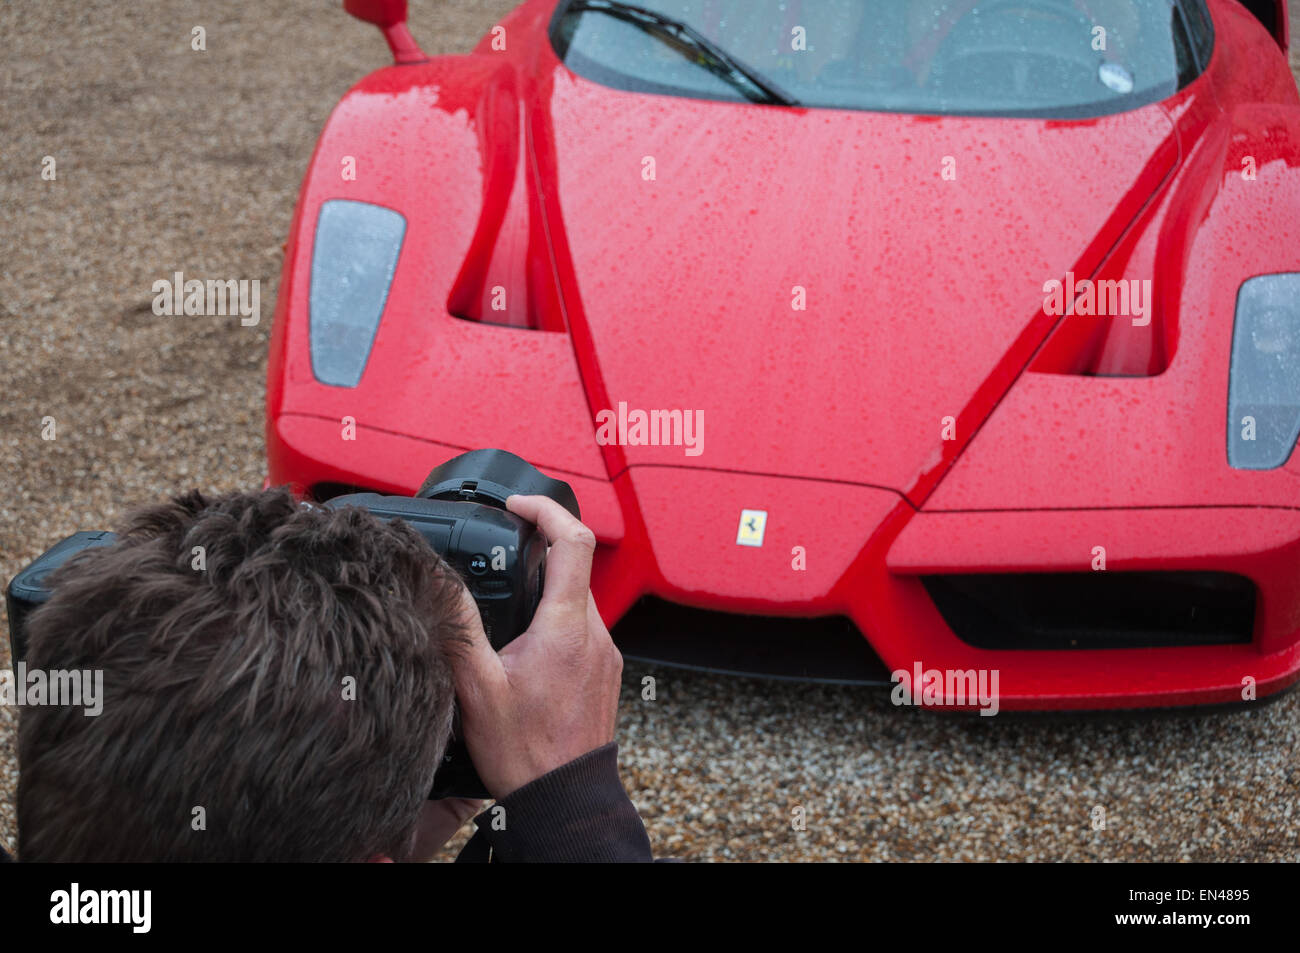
291	698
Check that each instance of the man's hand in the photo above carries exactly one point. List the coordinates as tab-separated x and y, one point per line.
551	695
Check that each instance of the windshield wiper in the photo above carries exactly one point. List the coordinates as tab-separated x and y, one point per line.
751	84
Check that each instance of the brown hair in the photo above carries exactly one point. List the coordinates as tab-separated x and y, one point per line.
224	687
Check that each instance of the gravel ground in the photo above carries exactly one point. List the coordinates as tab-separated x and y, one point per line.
170	159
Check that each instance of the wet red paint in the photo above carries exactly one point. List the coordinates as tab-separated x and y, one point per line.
924	301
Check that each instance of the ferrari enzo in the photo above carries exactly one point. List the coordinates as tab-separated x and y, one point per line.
874	338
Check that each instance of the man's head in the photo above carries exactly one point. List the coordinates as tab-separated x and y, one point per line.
283	668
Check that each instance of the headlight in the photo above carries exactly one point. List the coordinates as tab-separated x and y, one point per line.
1264	382
352	267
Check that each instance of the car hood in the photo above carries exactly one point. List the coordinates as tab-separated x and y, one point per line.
822	288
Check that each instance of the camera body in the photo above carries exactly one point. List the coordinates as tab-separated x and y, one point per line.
460	510
500	556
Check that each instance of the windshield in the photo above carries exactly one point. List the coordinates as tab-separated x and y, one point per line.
1056	58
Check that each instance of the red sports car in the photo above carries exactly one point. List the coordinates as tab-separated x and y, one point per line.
879	341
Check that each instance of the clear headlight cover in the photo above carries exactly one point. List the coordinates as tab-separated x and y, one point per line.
1264	382
352	267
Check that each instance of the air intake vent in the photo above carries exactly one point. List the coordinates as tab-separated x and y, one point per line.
828	649
1096	610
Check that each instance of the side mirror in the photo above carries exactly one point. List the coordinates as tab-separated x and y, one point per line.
390	17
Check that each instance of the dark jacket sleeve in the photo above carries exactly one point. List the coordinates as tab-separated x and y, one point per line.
577	813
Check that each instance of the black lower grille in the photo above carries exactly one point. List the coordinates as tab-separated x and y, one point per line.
1095	610
827	649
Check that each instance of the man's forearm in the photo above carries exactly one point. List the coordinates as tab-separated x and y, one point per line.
579	812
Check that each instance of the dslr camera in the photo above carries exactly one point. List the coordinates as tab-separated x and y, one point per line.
461	511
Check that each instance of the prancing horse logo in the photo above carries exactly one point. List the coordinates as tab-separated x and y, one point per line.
752	525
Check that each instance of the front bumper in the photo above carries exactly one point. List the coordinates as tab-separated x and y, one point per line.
836	549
